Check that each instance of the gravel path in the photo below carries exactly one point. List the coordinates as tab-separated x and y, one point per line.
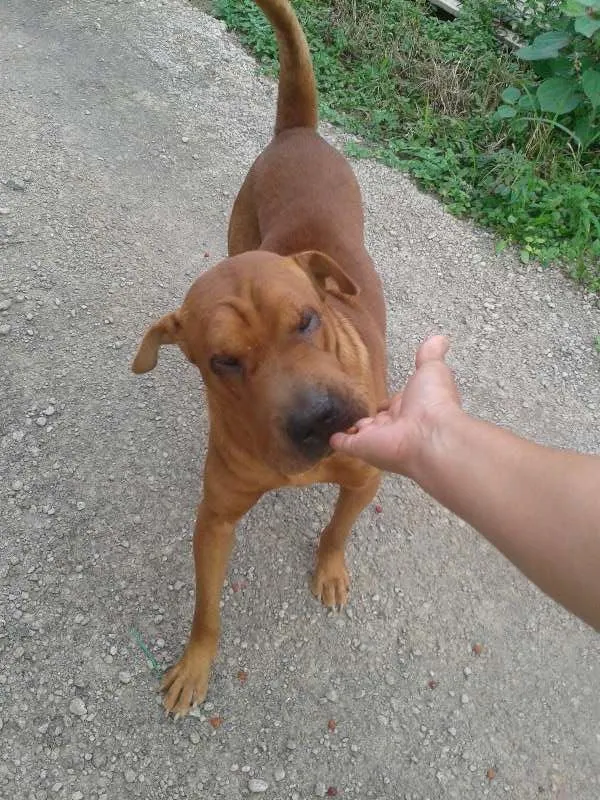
125	130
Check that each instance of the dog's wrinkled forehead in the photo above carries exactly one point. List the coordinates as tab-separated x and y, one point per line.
247	299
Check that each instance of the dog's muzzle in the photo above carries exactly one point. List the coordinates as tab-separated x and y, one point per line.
316	415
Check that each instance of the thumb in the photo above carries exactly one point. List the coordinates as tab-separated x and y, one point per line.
432	349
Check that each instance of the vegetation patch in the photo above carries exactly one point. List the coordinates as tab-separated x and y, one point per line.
511	139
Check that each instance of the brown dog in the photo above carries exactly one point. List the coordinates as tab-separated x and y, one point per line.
288	333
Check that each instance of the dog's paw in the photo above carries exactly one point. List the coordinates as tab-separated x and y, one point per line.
331	581
185	684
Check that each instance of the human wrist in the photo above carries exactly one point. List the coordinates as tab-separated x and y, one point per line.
439	433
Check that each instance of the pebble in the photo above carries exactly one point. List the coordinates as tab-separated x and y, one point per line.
467	671
464	699
195	737
41	421
77	707
5	305
77	796
185	139
291	745
332	696
129	775
4	211
256	786
49	411
279	772
4	330
320	790
16	184
125	677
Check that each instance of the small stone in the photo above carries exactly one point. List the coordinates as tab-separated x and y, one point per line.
41	421
467	671
16	184
490	774
291	745
129	775
195	737
80	505
4	211
279	774
256	786
4	330
5	305
77	707
77	796
464	699
320	790
332	696
185	139
452	732
49	411
125	677
17	486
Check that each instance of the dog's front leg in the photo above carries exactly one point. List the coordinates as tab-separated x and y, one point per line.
331	581
186	683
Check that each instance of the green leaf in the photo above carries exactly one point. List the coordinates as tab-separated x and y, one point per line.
533	53
505	112
584	131
548	68
524	255
558	95
526	103
573	8
511	95
590	82
587	25
556	39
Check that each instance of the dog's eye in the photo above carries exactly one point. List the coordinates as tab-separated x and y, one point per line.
225	365
309	321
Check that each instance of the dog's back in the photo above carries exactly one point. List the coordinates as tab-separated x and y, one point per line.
300	193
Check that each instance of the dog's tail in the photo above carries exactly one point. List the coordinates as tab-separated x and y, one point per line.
297	98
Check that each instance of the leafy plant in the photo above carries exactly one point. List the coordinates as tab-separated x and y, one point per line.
566	62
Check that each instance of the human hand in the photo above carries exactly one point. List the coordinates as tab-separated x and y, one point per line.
396	437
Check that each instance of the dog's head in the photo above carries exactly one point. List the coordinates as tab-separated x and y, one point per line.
282	367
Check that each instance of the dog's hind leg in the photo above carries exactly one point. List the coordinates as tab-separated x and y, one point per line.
331	581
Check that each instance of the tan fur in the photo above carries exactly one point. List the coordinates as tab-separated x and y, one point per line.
295	247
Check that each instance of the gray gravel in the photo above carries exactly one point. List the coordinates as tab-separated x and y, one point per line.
126	129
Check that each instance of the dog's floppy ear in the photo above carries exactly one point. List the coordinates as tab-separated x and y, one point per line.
165	331
324	270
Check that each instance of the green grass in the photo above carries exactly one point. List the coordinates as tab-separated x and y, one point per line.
421	92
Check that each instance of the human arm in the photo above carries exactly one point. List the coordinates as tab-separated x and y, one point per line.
539	506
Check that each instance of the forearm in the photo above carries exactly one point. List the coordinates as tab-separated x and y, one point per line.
538	506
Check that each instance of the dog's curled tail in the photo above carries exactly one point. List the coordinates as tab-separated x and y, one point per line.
297	98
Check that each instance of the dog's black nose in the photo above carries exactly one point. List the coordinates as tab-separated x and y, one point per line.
316	415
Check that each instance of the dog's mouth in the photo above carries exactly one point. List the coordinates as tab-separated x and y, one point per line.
316	414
